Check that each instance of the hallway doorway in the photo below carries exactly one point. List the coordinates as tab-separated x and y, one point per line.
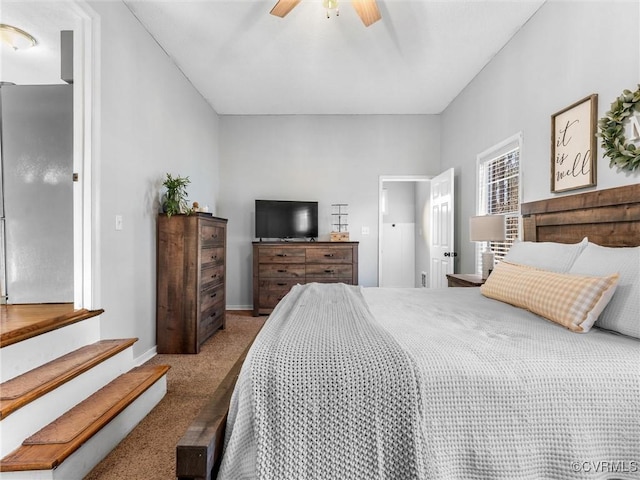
416	230
403	231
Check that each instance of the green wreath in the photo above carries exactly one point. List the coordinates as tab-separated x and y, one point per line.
622	154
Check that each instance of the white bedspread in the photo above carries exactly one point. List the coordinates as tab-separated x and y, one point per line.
482	390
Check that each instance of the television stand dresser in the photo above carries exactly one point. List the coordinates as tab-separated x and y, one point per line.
278	266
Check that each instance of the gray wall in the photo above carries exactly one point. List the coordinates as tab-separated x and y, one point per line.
567	51
152	121
327	158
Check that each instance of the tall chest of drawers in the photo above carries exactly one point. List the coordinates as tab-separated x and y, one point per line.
278	266
191	272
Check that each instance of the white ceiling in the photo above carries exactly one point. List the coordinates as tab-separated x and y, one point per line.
415	60
44	20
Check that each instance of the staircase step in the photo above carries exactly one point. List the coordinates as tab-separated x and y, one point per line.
21	390
21	322
49	447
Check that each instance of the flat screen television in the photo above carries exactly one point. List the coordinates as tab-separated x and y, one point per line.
286	219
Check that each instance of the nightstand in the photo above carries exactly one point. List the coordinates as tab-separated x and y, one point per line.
464	280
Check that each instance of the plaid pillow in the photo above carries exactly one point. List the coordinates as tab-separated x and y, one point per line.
573	301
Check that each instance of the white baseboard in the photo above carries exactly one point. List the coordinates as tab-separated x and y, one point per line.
239	307
146	356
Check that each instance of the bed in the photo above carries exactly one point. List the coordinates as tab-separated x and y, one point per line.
350	382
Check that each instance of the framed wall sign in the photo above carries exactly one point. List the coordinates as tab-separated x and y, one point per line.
573	145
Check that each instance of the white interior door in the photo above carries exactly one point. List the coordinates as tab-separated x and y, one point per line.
442	229
398	264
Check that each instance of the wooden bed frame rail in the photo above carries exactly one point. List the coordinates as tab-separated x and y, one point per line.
608	217
199	451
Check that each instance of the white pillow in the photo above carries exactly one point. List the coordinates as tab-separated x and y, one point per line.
622	314
552	256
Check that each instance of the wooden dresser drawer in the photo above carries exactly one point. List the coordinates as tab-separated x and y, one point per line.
211	275
329	255
282	255
278	284
269	298
345	280
212	235
211	320
329	271
212	255
273	270
211	296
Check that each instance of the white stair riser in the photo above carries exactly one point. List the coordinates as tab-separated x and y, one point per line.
26	355
39	413
80	463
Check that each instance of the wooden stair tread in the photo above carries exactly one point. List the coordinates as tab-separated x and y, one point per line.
14	331
50	446
31	385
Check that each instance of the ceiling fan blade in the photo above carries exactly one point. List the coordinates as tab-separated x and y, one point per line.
367	10
283	7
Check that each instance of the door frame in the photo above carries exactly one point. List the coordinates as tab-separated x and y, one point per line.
381	180
86	154
85	147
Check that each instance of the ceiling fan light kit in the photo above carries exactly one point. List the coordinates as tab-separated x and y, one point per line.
330	5
367	10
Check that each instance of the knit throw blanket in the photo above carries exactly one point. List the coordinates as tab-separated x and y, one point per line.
333	395
329	393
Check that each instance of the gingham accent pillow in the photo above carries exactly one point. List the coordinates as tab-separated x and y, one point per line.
573	301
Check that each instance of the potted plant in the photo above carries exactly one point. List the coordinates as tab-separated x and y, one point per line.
174	200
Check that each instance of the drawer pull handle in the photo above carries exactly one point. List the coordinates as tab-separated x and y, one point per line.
282	271
281	255
213	295
329	271
280	284
214	276
328	255
214	235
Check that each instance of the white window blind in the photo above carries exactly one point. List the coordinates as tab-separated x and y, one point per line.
499	194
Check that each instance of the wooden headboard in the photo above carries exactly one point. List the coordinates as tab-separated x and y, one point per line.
608	217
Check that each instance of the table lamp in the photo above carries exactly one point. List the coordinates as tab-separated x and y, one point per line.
487	228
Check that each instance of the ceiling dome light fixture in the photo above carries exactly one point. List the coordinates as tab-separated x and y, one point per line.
16	38
331	5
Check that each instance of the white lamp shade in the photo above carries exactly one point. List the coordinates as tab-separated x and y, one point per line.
487	228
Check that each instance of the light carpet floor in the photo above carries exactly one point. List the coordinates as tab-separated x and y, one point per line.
149	451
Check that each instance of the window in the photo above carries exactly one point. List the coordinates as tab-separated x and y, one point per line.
499	192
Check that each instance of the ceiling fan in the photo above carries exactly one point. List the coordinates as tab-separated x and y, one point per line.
367	10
